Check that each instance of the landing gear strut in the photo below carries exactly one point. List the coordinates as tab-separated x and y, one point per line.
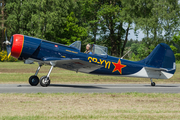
45	80
152	83
34	80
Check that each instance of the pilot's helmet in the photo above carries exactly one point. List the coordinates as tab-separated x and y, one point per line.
90	46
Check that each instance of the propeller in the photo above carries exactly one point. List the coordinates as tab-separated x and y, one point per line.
8	44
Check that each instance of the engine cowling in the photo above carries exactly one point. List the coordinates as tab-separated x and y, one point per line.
23	46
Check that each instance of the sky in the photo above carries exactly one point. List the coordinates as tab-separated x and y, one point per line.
139	36
131	35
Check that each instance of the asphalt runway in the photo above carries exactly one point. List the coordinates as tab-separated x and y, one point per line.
90	88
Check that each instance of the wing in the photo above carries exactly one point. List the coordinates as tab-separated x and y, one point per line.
74	64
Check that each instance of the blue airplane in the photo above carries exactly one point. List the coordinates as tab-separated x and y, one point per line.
160	64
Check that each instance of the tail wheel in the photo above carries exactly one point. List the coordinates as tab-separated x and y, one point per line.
33	80
44	81
153	84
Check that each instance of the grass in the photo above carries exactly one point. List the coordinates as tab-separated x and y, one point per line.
42	106
18	72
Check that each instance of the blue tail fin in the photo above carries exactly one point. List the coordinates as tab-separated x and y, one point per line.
161	57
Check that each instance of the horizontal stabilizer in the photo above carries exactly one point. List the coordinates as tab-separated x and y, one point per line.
156	69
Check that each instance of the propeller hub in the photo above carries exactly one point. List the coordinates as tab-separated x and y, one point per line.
7	42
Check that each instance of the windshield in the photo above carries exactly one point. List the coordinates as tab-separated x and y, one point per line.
100	50
76	45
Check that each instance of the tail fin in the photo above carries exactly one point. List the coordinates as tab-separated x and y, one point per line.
161	57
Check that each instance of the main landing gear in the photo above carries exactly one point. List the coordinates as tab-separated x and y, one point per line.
152	83
44	80
34	80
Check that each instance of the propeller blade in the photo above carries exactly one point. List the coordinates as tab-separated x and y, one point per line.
8	44
8	48
5	34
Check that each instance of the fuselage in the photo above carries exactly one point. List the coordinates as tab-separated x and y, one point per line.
38	49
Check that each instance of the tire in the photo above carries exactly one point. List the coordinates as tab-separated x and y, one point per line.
33	80
43	83
153	84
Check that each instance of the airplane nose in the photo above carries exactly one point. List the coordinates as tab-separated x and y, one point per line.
17	45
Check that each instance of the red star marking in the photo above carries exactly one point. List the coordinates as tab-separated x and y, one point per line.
118	66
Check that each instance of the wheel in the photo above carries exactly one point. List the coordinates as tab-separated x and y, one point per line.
33	80
44	81
153	84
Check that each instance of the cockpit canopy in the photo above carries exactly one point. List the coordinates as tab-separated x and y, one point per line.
99	50
96	49
76	45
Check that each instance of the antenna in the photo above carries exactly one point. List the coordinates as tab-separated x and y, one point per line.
126	54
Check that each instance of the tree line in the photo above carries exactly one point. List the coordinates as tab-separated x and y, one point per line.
103	22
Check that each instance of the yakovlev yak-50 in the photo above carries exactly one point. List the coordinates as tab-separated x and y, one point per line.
160	64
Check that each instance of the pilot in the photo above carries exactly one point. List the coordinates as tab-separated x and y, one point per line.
88	49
